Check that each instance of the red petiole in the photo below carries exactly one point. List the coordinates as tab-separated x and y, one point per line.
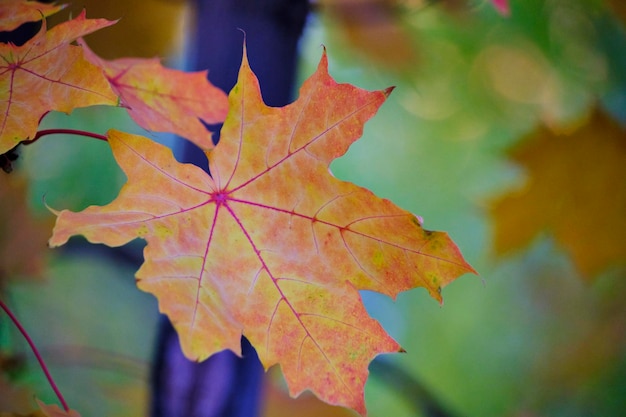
42	364
45	132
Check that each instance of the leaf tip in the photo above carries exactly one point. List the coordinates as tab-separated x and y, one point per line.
83	16
437	296
244	54
244	46
387	91
324	59
50	209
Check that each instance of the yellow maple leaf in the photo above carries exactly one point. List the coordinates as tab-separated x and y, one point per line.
574	191
271	245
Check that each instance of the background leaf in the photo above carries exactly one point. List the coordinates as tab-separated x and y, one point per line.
165	100
23	249
571	192
146	28
45	74
14	13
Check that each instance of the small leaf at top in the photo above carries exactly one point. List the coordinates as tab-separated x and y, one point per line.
165	100
48	73
272	246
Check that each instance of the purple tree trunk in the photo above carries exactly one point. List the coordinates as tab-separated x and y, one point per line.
226	385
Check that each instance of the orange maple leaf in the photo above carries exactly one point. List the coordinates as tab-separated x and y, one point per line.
271	245
163	99
14	13
48	73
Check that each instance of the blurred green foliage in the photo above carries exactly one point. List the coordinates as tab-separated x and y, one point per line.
529	338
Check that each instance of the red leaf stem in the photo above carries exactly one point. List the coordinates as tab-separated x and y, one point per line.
42	364
45	132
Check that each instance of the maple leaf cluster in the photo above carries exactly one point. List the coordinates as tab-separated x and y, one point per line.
270	245
49	72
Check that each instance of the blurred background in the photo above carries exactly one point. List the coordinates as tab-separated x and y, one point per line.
506	129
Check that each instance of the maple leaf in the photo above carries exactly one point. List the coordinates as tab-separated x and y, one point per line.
48	73
572	191
271	245
165	100
13	13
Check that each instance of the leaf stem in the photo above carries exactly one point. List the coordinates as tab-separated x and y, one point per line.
42	364
45	132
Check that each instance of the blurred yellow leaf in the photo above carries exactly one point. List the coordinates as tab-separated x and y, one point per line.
132	397
13	399
619	8
278	403
22	238
575	190
374	28
146	28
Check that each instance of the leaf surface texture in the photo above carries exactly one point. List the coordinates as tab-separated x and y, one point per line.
272	245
